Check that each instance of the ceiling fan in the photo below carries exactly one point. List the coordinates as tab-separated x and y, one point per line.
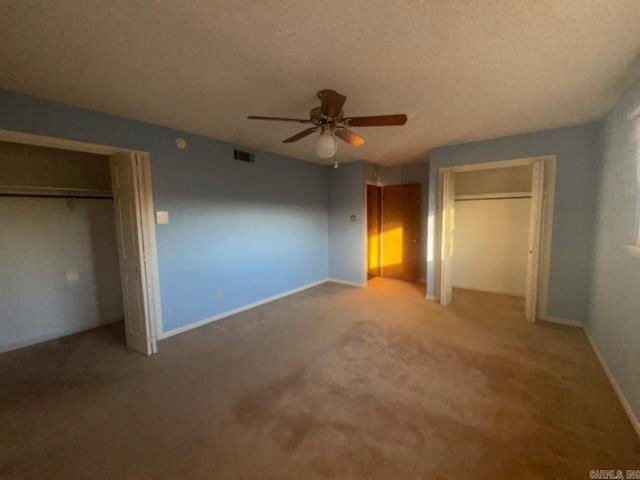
330	120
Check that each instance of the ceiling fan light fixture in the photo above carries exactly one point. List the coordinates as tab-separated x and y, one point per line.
329	118
326	144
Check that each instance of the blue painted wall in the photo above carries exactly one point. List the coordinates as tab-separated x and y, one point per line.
614	317
251	230
577	150
347	259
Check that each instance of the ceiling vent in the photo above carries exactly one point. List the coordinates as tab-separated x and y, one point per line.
244	156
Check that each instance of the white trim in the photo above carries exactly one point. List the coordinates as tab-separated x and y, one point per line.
228	313
345	282
470	167
375	183
562	321
447	235
433	299
62	143
616	388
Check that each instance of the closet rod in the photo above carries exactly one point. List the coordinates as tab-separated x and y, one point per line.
44	195
490	198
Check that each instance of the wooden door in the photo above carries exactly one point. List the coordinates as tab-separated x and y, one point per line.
125	178
401	231
374	230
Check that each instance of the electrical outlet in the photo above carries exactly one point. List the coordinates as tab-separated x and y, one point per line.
219	294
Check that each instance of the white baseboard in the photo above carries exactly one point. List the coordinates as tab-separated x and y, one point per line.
432	298
616	388
228	313
562	321
345	282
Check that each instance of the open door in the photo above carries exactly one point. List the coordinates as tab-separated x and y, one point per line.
126	177
535	227
448	223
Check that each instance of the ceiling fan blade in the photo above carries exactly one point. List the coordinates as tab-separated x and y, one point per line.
350	137
332	103
279	119
300	135
376	120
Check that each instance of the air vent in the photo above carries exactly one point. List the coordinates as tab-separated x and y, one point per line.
244	156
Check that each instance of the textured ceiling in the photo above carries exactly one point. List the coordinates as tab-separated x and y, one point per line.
461	70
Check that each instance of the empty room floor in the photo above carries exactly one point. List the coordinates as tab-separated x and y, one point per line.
333	382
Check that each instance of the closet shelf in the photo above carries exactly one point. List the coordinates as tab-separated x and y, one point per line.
31	191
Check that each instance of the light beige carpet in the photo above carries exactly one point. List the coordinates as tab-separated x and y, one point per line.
334	382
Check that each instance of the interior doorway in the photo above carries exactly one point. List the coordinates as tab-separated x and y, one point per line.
89	178
393	231
496	236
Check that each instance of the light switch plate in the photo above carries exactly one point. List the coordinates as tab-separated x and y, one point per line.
162	217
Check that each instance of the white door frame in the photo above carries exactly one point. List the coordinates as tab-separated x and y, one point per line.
147	222
549	186
447	227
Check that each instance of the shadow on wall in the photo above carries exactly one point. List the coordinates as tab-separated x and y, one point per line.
105	261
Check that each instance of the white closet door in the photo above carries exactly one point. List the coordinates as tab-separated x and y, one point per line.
126	178
535	228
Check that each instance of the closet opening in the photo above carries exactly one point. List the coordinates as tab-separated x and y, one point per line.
78	243
495	230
